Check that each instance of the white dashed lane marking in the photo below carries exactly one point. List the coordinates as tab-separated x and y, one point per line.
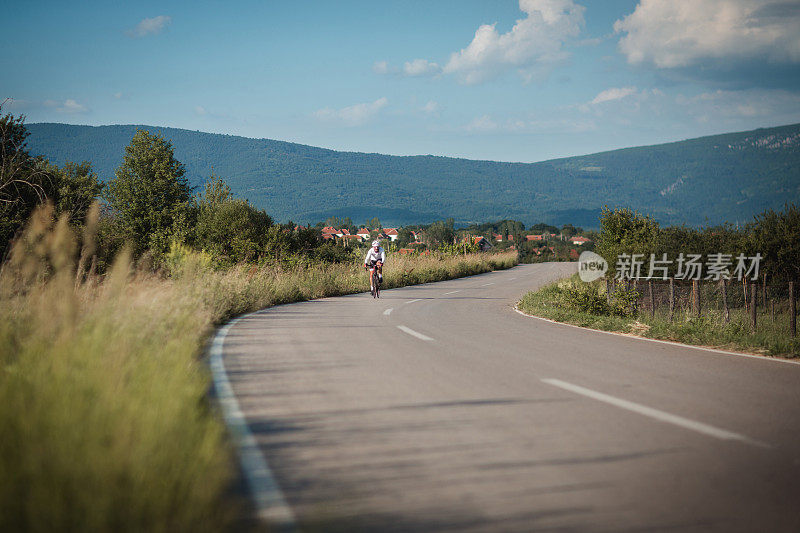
413	333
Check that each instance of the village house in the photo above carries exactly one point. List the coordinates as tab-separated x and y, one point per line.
579	241
330	230
482	242
391	233
364	234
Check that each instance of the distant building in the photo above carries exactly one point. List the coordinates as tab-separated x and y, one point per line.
364	234
391	233
482	242
579	241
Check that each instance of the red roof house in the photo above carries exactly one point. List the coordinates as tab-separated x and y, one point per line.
391	233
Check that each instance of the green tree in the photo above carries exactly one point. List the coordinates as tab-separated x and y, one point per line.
776	236
623	231
76	187
568	231
230	228
404	237
24	180
150	196
375	224
440	232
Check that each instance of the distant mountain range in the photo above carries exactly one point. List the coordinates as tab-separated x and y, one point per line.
712	179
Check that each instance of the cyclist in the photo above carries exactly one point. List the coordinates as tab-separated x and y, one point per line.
376	257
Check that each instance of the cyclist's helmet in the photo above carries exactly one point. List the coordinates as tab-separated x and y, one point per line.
376	243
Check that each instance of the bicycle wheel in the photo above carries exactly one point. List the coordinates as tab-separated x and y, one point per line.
374	283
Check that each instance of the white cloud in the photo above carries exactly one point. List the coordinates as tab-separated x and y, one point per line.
686	33
516	125
767	106
71	106
482	124
420	67
354	115
151	26
10	104
68	106
533	46
431	107
200	110
615	93
380	67
118	96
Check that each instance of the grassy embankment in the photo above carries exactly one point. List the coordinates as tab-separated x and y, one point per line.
104	415
585	304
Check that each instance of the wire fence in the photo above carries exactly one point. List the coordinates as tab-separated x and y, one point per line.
756	302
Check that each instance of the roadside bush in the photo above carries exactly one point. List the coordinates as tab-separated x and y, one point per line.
584	298
624	301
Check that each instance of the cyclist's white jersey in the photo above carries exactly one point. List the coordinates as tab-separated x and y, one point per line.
372	255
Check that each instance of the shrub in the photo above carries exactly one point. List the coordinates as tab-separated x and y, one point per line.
625	301
584	298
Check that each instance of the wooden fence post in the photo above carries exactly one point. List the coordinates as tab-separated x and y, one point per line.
725	311
652	299
744	296
608	290
671	298
696	297
772	309
792	311
753	305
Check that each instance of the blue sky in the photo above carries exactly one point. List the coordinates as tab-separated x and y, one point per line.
504	80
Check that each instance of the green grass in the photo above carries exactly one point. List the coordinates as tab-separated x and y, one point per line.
558	302
105	421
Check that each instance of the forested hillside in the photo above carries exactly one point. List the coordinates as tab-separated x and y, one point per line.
720	178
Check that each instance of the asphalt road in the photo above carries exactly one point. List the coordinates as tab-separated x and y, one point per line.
440	408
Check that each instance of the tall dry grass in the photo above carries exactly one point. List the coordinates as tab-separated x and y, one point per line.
102	413
105	422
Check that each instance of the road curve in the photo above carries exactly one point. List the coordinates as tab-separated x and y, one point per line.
439	408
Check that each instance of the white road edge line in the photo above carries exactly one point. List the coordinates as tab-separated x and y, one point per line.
269	500
414	333
451	292
511	279
487	284
388	311
703	348
661	416
412	301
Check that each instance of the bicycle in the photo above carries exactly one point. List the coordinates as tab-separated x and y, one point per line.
375	282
